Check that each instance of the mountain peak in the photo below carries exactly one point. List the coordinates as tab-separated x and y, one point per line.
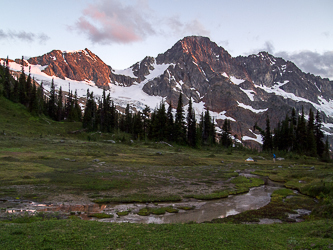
79	65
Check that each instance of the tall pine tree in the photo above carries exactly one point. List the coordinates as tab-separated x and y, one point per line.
191	125
319	135
267	140
180	129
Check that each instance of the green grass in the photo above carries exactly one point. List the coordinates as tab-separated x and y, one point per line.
101	215
78	234
123	213
157	211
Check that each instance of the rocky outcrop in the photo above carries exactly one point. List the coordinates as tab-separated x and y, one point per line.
81	65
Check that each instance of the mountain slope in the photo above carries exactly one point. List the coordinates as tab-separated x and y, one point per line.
243	89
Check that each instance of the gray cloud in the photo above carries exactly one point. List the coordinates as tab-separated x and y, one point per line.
23	36
312	62
109	21
308	61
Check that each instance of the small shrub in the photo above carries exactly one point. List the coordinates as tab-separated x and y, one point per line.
123	213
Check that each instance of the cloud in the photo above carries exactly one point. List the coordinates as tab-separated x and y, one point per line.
312	62
109	21
24	36
192	27
308	61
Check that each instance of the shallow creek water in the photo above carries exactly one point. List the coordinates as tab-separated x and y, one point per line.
204	210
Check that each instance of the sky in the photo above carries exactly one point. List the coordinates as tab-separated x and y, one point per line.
123	32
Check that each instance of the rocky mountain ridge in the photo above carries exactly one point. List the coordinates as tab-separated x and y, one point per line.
244	89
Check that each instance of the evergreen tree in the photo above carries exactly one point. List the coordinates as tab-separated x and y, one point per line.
128	120
301	133
137	126
180	129
206	128
267	140
77	113
40	99
104	113
145	118
311	147
33	102
90	113
28	88
7	88
160	122
113	117
212	133
21	89
69	105
15	95
59	106
191	125
319	135
52	102
170	124
326	153
226	140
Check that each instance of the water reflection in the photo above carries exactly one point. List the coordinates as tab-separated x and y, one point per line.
204	210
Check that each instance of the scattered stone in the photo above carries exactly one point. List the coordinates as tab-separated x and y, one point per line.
95	160
110	141
280	159
163	142
312	168
67	159
158	153
280	167
62	141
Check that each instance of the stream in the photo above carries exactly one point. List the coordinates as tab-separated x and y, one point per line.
204	210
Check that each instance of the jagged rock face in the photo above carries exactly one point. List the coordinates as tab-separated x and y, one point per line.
79	65
196	64
246	89
141	69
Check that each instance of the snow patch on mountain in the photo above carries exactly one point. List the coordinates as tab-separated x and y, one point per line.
249	92
236	80
157	71
325	106
125	72
259	137
257	111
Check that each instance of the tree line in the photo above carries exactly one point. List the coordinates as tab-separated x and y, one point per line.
296	134
159	124
24	90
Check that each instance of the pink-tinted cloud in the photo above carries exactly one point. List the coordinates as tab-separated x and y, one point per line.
110	21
